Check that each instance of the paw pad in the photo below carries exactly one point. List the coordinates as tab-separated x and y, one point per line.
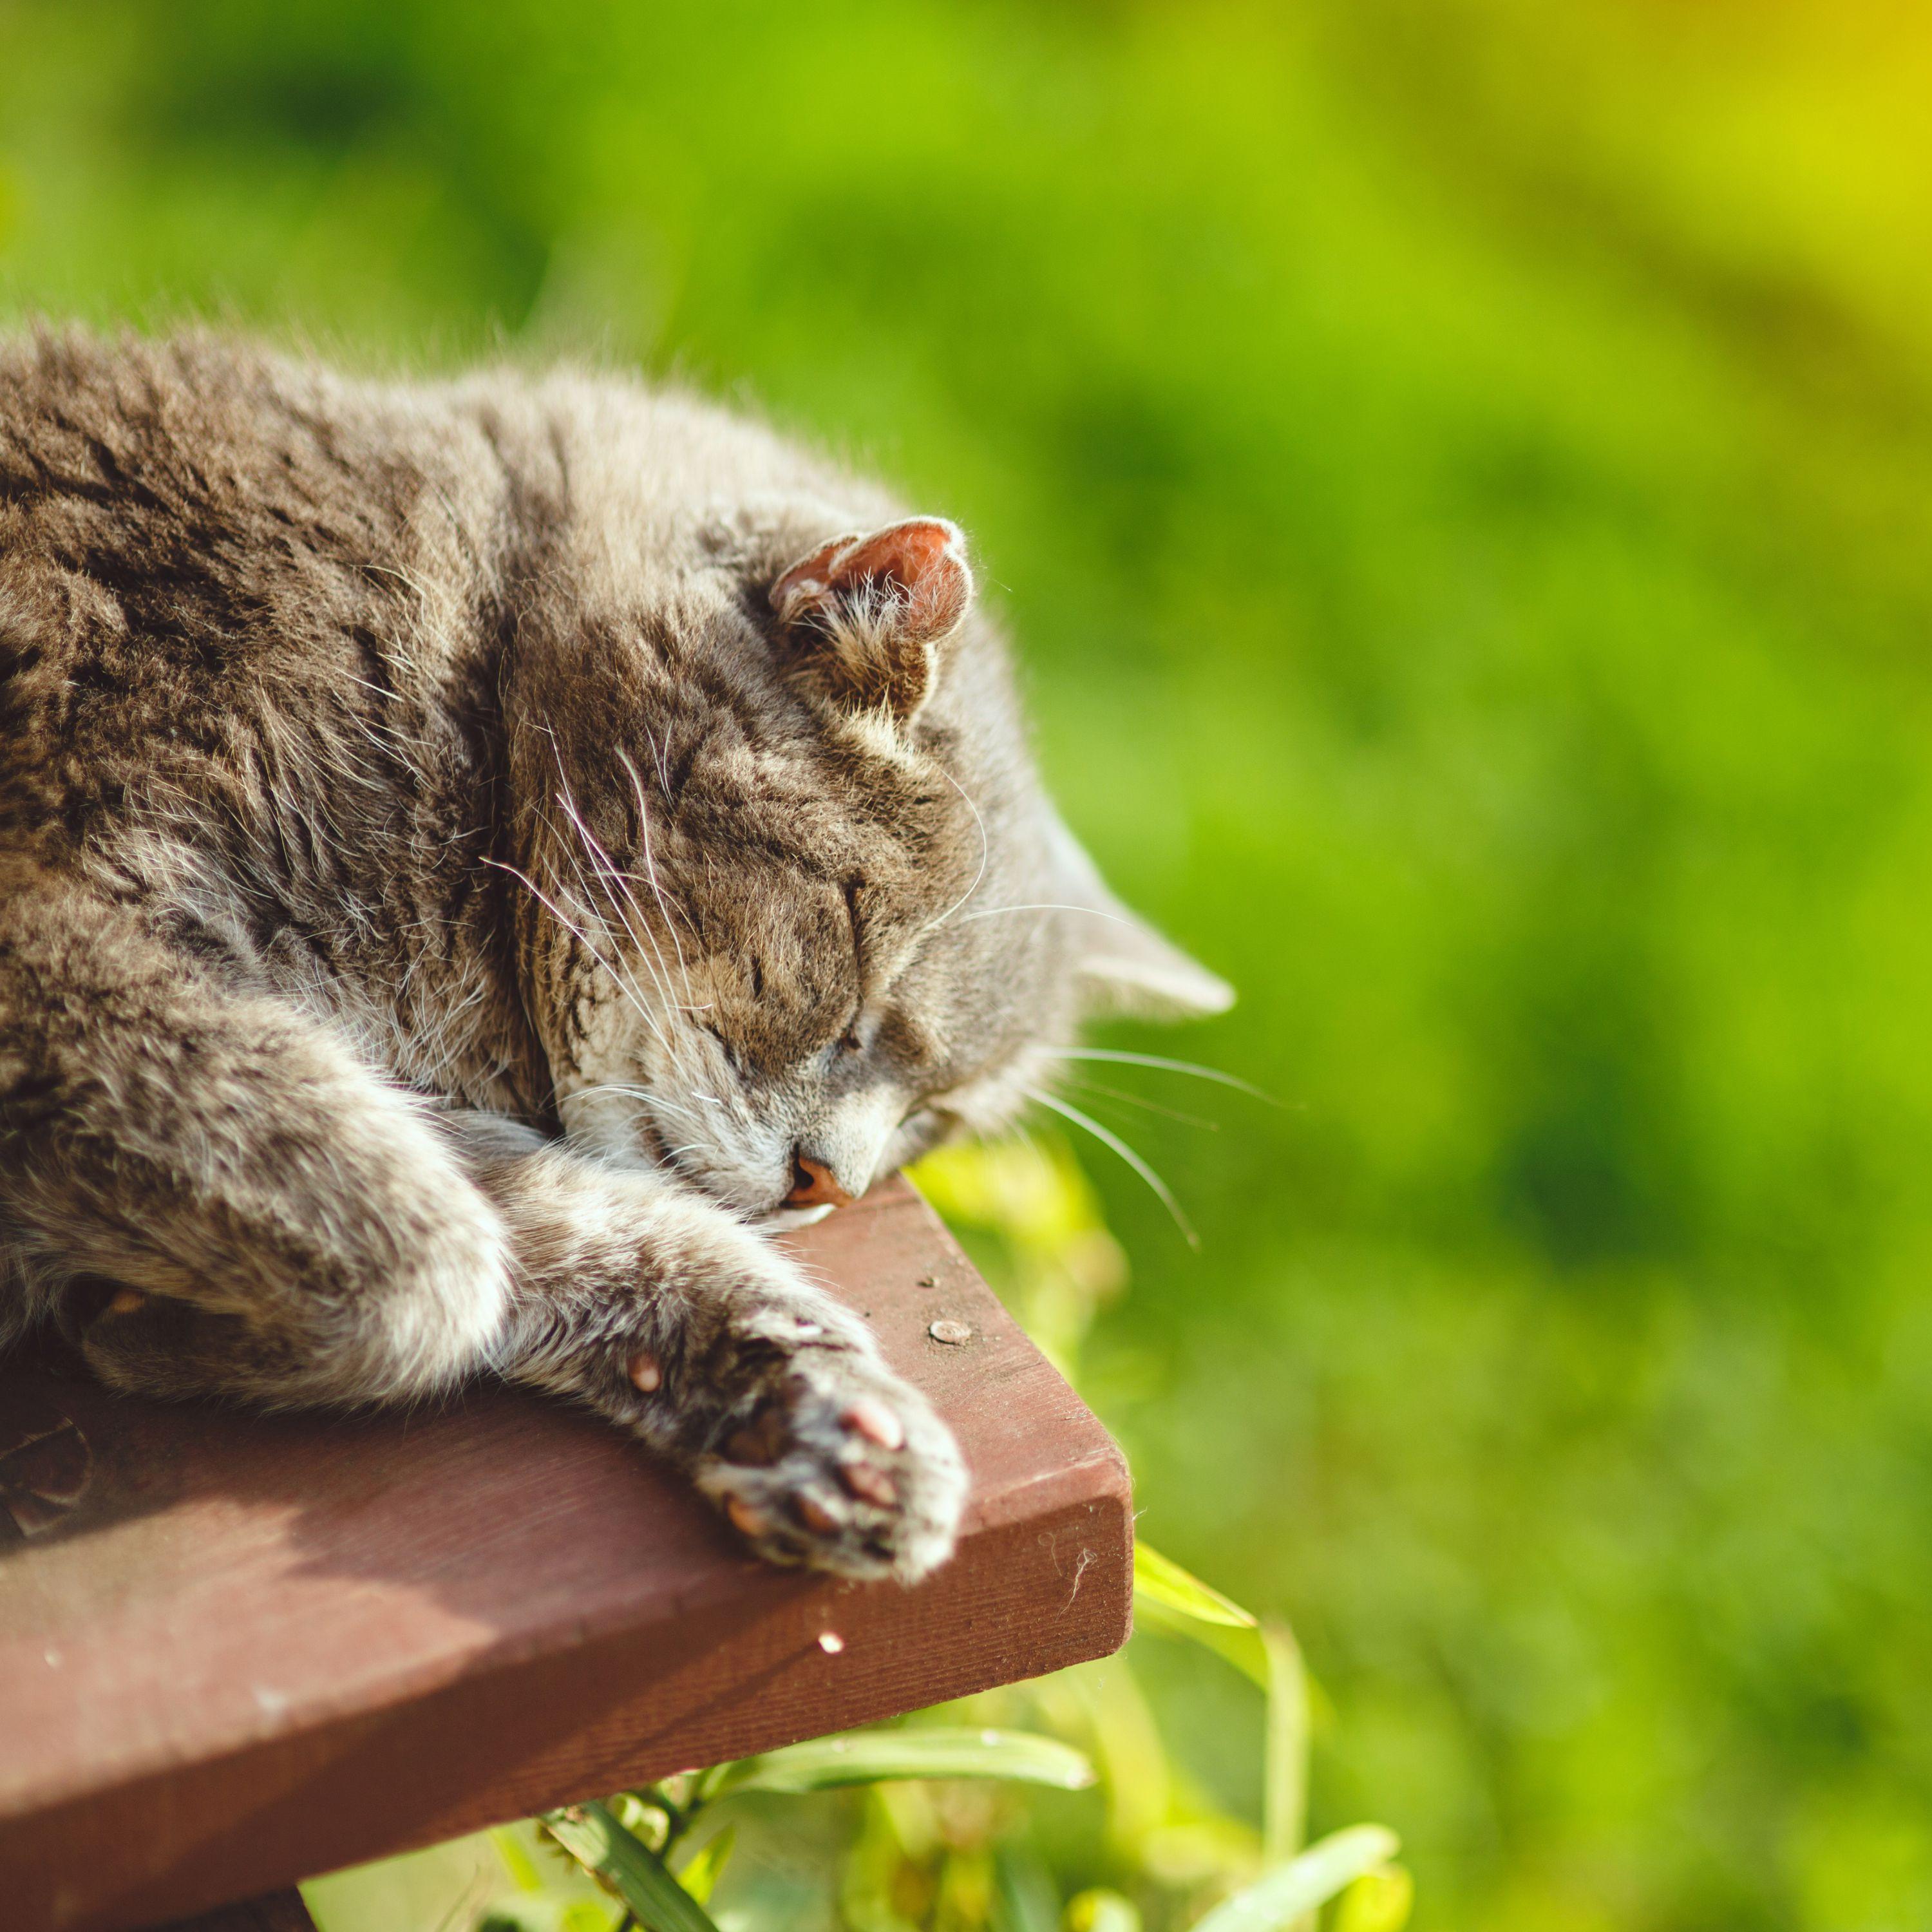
761	1442
873	1486
815	1516
873	1420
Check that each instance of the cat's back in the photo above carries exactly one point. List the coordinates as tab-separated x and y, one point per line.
175	475
201	542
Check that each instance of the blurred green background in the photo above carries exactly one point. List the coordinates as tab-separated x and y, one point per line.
1457	470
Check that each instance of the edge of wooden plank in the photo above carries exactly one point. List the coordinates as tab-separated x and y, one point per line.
273	1912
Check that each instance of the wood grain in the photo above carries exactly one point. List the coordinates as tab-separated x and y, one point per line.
237	1651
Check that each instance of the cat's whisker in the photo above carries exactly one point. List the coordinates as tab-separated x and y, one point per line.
606	868
985	852
1150	1106
615	967
656	1102
644	936
1093	912
657	977
632	916
650	862
577	933
610	873
673	1046
1121	1057
1113	1142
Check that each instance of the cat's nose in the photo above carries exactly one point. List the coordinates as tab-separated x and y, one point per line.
814	1185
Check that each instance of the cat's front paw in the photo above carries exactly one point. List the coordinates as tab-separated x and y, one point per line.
829	1460
715	1348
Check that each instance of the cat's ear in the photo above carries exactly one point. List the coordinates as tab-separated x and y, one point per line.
1123	964
866	615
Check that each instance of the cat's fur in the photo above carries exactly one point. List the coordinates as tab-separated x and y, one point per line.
469	851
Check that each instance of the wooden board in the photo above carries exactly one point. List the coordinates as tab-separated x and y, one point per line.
236	1650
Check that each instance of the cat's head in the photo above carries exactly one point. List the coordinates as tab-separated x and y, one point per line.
799	908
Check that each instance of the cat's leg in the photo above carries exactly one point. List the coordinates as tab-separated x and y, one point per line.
676	1321
210	1192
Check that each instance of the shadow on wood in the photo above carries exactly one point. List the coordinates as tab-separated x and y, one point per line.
275	1912
236	1650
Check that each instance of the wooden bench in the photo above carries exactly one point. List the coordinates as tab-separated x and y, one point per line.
235	1652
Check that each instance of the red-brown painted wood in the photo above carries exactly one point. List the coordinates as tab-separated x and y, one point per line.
236	1650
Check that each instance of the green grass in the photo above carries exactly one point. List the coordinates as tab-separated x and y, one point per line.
1458	473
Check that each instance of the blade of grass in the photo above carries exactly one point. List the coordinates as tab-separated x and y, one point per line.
870	1757
642	1879
1285	1815
1164	1585
1025	1898
701	1874
1170	1602
1279	1898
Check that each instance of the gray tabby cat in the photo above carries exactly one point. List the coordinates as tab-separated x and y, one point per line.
472	856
